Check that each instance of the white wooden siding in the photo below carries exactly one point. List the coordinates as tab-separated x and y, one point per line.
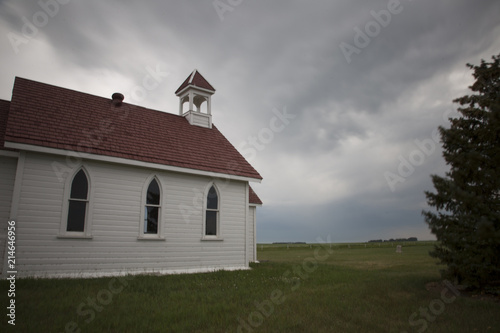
198	118
7	176
251	234
116	219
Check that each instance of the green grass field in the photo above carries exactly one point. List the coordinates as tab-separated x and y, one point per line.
300	289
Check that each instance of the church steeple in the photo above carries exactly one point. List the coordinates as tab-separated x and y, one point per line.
196	90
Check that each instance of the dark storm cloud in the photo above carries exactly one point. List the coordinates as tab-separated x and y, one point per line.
353	118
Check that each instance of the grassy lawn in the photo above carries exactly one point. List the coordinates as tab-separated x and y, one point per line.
299	289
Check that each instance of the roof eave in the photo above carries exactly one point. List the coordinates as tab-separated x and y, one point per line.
211	92
126	161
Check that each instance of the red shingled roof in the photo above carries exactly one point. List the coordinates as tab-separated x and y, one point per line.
253	198
50	116
195	79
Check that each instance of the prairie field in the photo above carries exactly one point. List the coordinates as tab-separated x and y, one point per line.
294	288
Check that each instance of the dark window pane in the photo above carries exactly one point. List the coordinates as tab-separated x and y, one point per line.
76	215
151	220
212	200
153	197
211	221
80	185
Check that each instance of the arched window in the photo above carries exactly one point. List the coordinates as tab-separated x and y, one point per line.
152	208
212	213
78	202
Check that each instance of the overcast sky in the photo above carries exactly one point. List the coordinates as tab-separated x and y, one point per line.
335	103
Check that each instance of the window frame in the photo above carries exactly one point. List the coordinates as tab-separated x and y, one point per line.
159	234
87	226
218	234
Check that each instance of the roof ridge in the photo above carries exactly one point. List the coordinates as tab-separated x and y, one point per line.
192	76
91	95
54	86
210	87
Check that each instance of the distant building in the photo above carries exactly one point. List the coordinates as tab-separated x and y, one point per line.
99	187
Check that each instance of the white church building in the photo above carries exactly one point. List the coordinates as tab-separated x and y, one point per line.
99	187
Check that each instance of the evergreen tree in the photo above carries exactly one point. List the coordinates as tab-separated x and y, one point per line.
466	220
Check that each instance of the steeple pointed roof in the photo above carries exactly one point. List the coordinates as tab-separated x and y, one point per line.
197	80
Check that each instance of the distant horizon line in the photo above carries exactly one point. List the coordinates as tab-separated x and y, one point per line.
346	242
